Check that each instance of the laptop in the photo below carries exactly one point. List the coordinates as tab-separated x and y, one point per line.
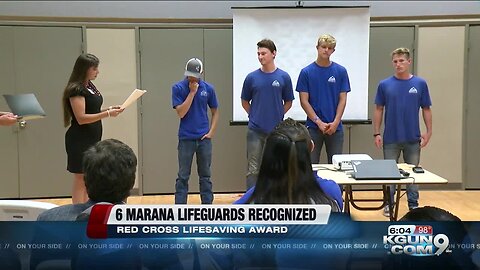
25	106
377	169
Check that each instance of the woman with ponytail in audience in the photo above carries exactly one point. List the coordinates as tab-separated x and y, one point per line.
286	175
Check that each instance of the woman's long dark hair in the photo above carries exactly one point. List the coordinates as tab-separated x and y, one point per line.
77	79
286	175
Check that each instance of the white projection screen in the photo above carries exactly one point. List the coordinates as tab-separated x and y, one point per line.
295	32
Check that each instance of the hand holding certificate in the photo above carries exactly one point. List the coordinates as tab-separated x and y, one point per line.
133	97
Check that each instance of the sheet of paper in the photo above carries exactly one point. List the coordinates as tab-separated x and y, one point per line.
137	93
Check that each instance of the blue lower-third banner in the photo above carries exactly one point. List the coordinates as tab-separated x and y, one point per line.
338	243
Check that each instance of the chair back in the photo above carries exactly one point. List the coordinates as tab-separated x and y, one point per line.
22	210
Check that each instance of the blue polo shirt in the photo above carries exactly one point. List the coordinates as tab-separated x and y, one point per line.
323	85
195	123
402	100
267	93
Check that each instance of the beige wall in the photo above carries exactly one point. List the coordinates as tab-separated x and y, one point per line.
440	60
117	79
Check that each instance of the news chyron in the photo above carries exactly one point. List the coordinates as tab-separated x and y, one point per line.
195	220
415	240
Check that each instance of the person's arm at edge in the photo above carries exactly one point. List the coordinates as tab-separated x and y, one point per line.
377	123
286	106
246	105
183	108
427	118
306	105
310	112
213	126
342	103
245	197
331	189
8	119
287	94
78	108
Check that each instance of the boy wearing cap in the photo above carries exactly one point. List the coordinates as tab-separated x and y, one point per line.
323	86
401	96
190	98
267	95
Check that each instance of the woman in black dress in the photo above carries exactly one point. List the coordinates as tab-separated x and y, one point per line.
82	113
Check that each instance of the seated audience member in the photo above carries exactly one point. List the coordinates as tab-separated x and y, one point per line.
110	167
8	119
443	222
429	213
286	175
329	187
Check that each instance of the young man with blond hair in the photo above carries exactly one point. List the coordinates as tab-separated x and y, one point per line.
267	95
401	96
323	86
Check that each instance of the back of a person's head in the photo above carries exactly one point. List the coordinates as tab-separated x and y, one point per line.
109	171
443	222
286	174
429	213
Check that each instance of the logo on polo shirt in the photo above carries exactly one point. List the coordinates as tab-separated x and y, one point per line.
203	93
413	90
275	83
331	79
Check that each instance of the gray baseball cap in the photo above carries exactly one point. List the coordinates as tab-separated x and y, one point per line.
194	68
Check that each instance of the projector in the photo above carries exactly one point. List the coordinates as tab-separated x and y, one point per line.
343	162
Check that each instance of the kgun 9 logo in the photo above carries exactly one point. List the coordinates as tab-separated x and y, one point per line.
414	241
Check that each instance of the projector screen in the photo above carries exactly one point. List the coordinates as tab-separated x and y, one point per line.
295	32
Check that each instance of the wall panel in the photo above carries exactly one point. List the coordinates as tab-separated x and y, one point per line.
117	79
8	135
44	57
229	162
440	60
472	111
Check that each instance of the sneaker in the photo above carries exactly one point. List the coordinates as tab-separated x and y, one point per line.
386	211
411	208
